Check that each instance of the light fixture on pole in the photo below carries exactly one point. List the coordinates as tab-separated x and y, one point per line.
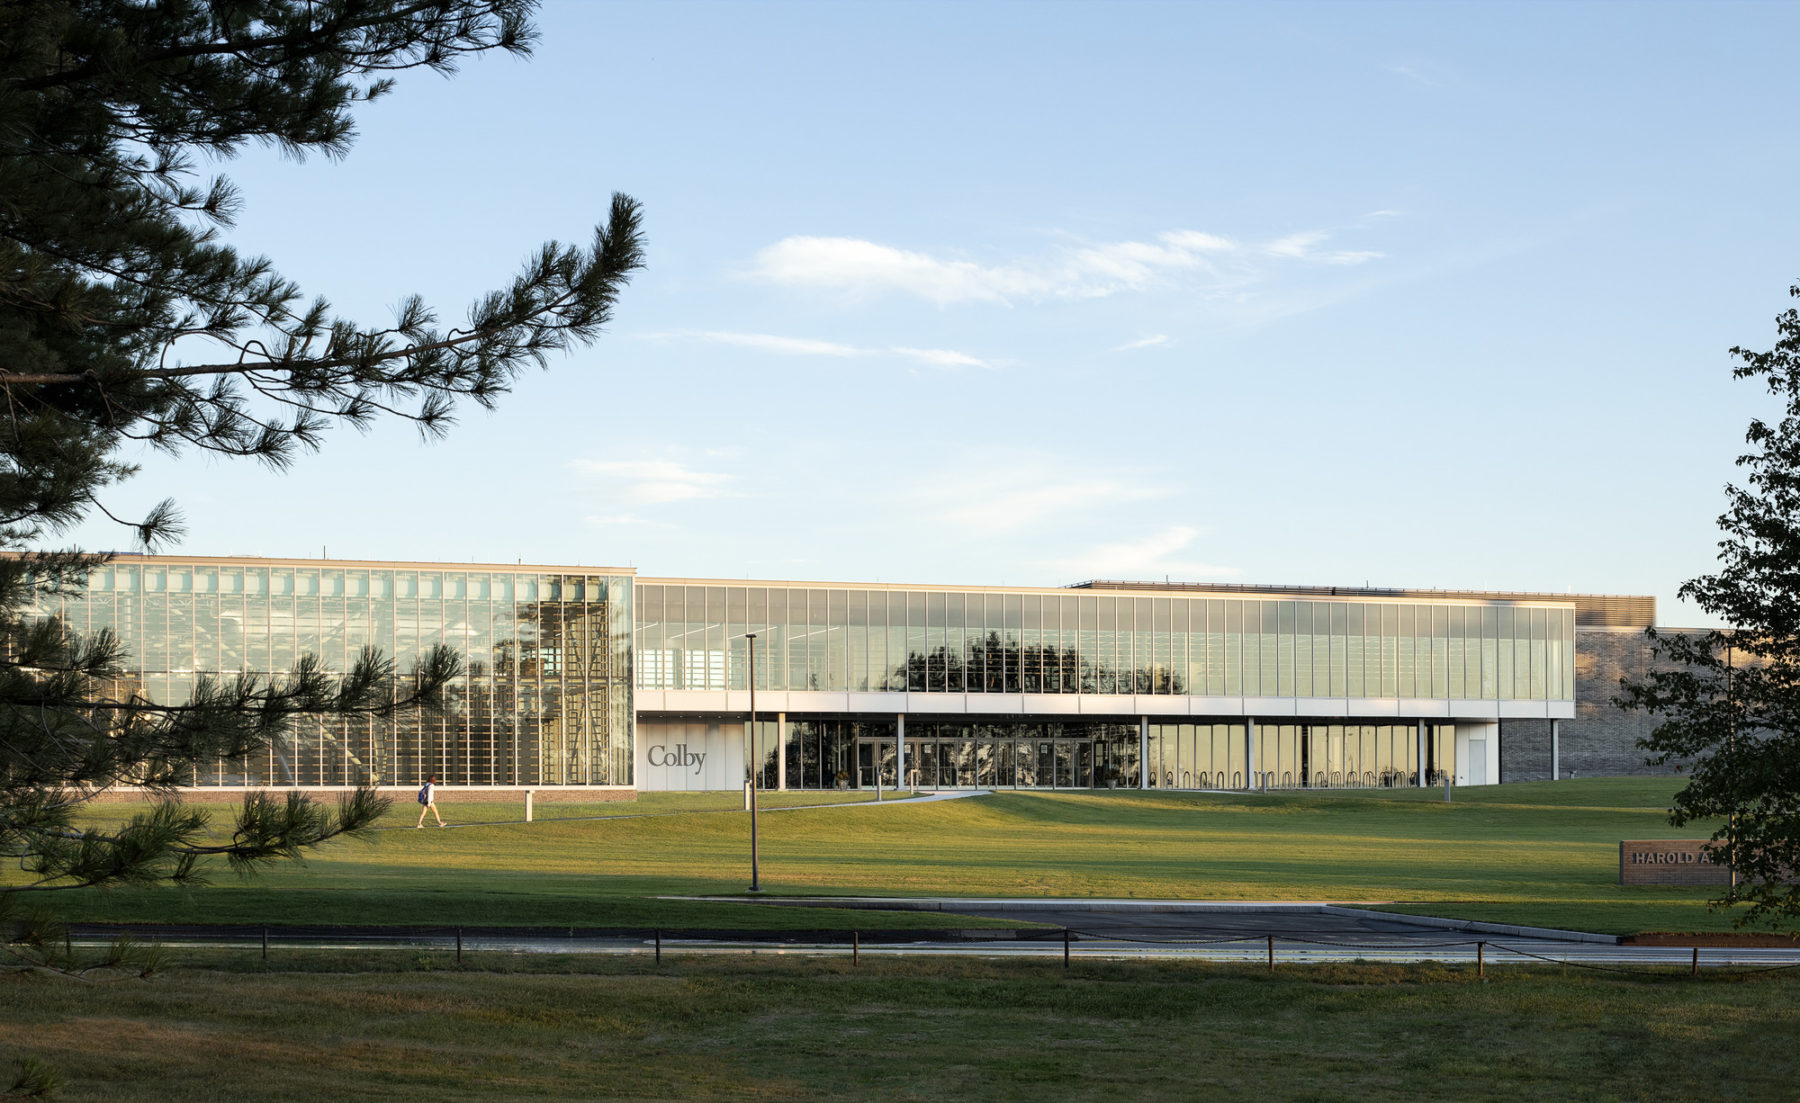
750	765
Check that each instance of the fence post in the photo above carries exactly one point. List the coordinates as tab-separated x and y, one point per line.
459	945
1065	947
265	943
855	947
1481	959
659	945
1694	969
1271	953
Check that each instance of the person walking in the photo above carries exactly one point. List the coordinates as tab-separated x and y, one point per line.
428	799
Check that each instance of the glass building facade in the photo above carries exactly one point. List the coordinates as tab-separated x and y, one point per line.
825	752
935	688
692	637
1297	756
545	698
1328	675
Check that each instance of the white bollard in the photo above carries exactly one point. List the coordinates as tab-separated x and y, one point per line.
528	793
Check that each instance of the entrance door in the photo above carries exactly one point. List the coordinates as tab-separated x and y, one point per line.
874	755
922	764
1027	763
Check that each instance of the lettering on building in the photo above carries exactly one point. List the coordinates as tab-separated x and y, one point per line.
678	755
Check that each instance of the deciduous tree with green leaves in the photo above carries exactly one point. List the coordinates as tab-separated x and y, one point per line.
1728	700
128	321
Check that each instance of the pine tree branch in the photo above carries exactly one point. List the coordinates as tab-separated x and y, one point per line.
313	41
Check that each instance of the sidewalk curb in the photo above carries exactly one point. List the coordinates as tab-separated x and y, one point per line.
950	903
1475	926
1011	904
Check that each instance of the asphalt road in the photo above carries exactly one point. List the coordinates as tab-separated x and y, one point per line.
1169	927
1174	930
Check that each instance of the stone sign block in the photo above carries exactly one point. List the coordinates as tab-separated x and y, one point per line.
1669	862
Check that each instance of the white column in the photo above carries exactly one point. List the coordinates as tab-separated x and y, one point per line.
1421	752
900	750
781	750
1143	752
1250	762
1556	750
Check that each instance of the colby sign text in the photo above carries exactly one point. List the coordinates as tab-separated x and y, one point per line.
678	755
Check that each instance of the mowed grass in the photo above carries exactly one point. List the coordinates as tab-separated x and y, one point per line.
1544	853
743	1028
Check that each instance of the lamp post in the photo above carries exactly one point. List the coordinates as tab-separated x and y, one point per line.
750	763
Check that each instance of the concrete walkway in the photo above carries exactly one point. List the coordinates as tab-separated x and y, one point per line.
1380	938
917	797
1298	931
1171	921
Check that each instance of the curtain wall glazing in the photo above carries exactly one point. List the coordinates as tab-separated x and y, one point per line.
693	638
545	699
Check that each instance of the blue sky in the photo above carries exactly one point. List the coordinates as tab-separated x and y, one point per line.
1428	295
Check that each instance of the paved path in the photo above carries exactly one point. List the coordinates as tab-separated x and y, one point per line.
1287	949
915	798
1294	931
1097	929
1238	931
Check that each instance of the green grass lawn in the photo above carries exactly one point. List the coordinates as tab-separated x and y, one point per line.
1543	853
401	1028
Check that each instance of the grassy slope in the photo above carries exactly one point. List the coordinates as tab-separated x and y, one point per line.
763	1028
1536	853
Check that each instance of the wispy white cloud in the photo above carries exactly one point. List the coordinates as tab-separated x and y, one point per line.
656	481
1304	246
1154	341
807	346
1418	74
942	358
983	496
1176	258
624	520
1148	558
854	265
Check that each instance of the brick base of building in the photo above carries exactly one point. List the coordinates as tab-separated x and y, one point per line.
581	794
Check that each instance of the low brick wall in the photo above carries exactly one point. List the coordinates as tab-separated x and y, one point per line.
401	793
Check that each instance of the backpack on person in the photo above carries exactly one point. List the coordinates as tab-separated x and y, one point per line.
425	793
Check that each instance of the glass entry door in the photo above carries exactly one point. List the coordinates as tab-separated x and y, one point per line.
968	764
872	756
1060	764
